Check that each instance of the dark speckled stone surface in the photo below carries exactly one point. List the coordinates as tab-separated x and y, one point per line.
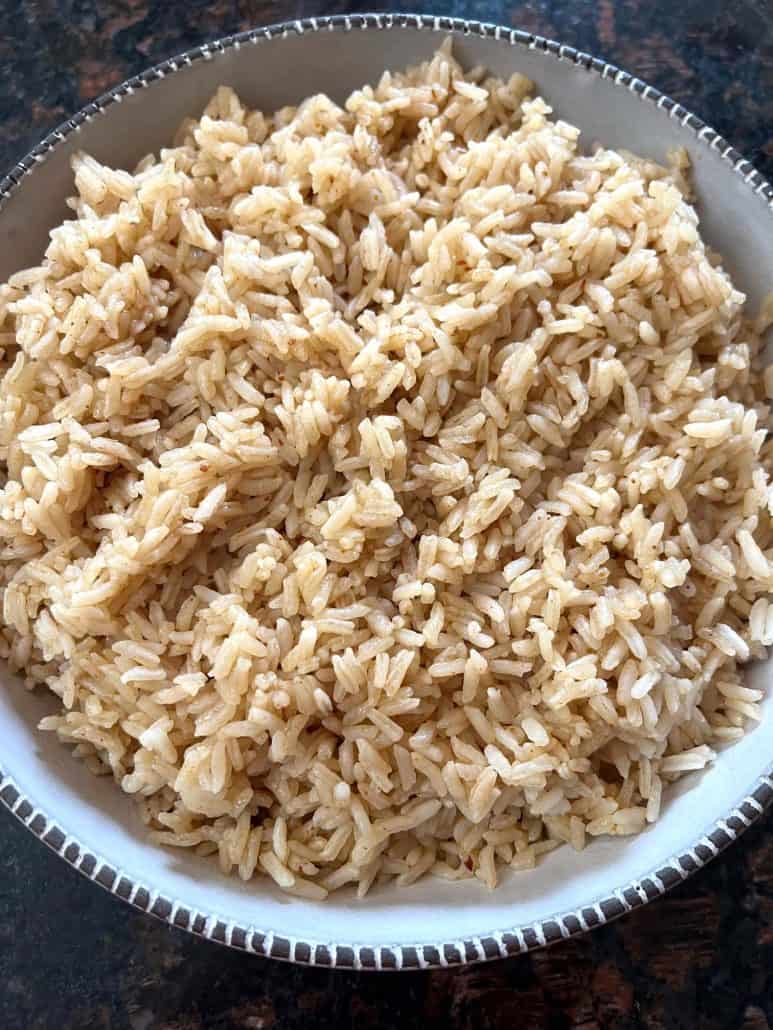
73	957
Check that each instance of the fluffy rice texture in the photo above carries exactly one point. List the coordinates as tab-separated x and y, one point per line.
385	488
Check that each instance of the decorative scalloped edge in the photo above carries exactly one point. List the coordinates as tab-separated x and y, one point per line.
496	943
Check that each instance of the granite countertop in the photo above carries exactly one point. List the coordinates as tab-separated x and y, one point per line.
73	957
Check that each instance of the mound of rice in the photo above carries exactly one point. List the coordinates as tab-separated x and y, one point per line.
385	489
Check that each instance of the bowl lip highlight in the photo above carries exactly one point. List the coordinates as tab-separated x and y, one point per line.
498	943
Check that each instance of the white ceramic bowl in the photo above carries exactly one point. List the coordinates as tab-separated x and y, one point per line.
87	821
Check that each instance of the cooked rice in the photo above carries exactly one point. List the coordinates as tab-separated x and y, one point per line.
386	489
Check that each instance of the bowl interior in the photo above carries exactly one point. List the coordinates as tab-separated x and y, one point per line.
269	74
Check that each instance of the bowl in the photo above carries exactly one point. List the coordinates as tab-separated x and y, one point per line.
432	923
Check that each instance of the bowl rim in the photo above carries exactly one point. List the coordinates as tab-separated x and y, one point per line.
498	943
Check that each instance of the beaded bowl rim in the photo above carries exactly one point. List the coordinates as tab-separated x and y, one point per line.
351	955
